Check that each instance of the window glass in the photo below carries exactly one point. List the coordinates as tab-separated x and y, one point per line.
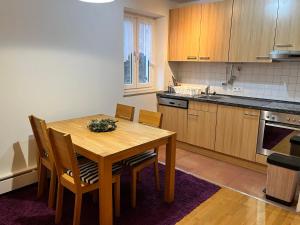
128	51
145	46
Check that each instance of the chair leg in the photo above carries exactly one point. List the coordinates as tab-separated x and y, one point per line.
42	176
77	209
117	195
156	171
52	190
133	188
59	203
139	178
95	196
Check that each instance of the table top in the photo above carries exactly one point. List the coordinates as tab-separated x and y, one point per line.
127	135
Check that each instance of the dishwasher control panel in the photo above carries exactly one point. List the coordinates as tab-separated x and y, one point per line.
178	103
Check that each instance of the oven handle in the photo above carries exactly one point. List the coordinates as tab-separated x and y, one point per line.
282	126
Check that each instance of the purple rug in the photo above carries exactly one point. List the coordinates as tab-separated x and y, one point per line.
21	207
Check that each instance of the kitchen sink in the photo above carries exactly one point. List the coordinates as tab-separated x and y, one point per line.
211	97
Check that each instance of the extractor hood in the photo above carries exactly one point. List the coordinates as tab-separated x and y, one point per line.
290	56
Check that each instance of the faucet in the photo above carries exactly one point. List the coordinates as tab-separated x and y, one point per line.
207	90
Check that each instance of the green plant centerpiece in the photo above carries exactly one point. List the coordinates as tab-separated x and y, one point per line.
103	125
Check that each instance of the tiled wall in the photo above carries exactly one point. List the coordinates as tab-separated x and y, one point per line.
279	81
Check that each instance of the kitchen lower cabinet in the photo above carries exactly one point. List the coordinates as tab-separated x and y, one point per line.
237	131
202	129
174	119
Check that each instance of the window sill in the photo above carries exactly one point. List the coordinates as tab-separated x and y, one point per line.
134	92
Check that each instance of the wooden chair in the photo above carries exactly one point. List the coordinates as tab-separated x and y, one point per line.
45	159
138	162
78	177
125	112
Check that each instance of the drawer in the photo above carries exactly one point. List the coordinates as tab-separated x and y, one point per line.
252	112
202	106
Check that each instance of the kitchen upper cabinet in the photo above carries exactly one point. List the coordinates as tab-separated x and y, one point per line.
237	131
184	33
253	30
174	119
288	25
202	118
215	31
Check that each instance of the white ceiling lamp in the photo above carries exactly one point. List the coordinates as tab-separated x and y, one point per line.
97	1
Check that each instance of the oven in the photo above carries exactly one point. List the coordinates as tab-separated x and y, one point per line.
275	132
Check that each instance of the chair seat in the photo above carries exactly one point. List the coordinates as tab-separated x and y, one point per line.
89	171
140	158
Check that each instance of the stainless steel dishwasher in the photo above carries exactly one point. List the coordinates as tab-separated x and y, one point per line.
178	103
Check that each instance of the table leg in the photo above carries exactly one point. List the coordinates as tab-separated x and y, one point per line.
105	192
298	205
170	169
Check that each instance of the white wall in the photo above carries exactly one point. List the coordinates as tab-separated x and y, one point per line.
62	59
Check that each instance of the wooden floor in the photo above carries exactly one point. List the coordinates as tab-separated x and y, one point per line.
229	207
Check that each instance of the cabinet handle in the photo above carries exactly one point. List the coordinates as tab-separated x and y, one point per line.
250	114
284	45
204	58
191	58
262	57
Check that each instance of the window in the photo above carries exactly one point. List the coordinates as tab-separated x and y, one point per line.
138	53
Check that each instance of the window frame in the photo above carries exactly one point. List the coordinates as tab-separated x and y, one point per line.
136	86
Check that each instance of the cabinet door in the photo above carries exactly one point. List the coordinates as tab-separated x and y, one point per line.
237	131
215	31
174	119
249	135
184	33
228	131
253	30
202	129
288	25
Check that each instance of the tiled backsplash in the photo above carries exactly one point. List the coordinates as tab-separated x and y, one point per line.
279	81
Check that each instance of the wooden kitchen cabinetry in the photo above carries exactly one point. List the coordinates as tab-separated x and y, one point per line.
288	25
184	33
200	32
201	127
253	30
215	31
237	131
174	119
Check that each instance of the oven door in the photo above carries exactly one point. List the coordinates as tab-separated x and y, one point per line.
275	137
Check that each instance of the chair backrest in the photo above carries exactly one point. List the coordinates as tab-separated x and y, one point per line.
64	154
150	118
125	112
39	129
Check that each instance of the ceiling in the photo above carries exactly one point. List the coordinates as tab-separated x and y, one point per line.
184	1
190	1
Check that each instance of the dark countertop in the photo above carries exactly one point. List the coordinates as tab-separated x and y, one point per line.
245	102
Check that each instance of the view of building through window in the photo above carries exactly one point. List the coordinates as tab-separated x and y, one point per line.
138	46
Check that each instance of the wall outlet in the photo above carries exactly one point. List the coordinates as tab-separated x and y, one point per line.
237	89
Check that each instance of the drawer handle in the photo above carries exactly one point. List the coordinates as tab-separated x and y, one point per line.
204	58
191	58
250	114
262	57
284	45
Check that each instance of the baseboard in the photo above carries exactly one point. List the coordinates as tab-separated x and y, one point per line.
18	181
222	157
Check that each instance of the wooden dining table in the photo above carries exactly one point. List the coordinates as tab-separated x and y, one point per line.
129	139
